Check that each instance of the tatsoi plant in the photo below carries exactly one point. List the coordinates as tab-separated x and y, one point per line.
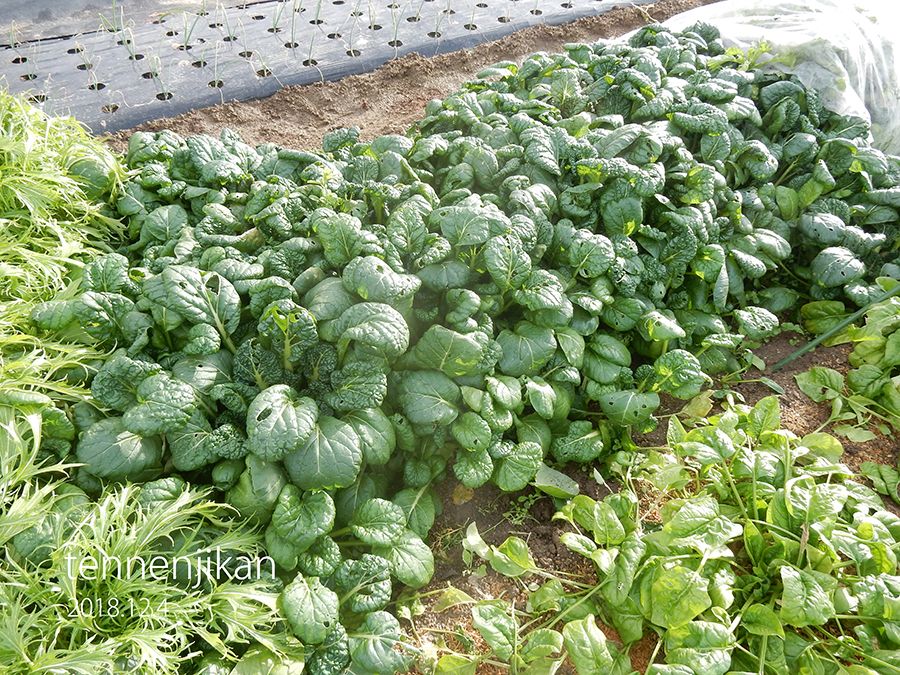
321	335
789	563
765	556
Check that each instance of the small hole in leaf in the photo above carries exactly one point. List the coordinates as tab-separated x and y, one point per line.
356	13
229	38
110	108
448	11
503	19
215	84
245	55
23	59
353	52
28	77
148	75
291	45
274	29
395	43
536	12
71	50
310	62
434	34
96	86
184	48
413	19
38	98
199	63
135	57
470	26
215	25
122	43
334	36
263	72
481	5
171	33
85	66
374	26
316	22
257	17
164	96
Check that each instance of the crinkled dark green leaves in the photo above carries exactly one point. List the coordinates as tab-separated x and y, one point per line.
548	252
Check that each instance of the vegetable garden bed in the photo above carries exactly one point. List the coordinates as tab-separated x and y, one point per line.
685	554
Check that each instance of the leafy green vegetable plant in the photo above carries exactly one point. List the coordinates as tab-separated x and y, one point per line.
773	535
74	593
551	250
766	556
885	479
56	187
869	394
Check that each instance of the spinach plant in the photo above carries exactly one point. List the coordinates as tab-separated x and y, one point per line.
761	554
869	394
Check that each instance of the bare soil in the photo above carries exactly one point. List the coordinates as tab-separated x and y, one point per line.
389	100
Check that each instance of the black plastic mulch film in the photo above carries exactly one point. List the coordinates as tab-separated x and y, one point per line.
123	74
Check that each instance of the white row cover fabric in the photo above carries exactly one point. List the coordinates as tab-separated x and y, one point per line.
849	50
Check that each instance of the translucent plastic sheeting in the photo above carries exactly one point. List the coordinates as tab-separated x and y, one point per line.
849	50
132	71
